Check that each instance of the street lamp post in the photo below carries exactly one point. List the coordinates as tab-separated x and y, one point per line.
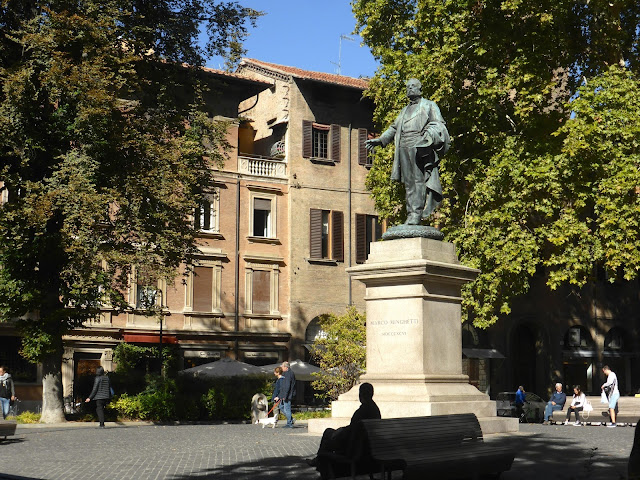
160	314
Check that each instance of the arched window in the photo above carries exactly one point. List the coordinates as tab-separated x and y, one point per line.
578	337
314	331
614	339
469	336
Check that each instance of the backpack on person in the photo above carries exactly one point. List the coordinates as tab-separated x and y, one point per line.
4	389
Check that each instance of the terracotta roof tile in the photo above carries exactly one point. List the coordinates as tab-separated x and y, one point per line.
359	83
223	73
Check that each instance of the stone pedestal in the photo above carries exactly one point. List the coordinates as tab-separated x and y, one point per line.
414	336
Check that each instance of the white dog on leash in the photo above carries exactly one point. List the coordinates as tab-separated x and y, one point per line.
267	421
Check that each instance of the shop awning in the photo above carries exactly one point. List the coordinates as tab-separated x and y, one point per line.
148	338
481	353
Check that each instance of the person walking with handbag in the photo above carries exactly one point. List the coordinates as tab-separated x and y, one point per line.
7	391
276	392
287	392
610	387
101	393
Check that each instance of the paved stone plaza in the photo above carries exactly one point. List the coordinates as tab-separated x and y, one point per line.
234	451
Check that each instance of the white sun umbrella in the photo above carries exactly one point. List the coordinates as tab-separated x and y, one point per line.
225	367
301	369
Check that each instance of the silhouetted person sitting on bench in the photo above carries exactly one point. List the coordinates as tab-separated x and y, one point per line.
337	441
634	458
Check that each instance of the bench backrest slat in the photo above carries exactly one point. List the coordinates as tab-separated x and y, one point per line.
405	436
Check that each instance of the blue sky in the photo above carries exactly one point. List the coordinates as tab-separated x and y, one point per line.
306	34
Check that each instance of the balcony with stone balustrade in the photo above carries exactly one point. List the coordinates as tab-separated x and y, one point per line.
260	166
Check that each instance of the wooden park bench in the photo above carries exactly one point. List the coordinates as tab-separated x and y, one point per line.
439	447
7	428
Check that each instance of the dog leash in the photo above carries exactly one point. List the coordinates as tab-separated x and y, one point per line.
274	406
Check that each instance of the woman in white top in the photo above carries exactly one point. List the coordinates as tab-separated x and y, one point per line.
577	404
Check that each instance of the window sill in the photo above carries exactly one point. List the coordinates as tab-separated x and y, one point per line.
263	316
192	313
322	161
215	235
322	261
253	239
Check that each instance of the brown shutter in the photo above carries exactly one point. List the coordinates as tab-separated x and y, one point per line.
335	143
337	235
202	289
362	149
361	238
315	233
307	139
261	288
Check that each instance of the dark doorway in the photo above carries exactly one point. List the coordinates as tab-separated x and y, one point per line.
524	358
576	372
84	374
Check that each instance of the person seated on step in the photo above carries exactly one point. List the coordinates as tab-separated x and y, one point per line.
337	441
577	405
556	402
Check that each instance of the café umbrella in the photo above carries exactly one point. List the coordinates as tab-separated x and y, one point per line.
302	370
225	367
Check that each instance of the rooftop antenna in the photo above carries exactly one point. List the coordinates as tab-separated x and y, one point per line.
339	64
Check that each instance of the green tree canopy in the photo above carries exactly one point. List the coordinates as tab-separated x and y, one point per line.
340	352
541	100
106	145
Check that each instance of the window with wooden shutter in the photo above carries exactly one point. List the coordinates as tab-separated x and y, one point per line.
335	143
307	139
326	233
361	238
203	289
261	291
368	230
315	233
362	149
337	236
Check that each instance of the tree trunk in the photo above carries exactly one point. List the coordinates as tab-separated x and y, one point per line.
52	401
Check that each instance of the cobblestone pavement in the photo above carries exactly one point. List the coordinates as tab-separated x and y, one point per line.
177	452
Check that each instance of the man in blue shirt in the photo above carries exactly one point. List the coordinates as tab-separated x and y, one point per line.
521	399
556	402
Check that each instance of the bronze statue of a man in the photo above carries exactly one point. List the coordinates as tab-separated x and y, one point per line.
421	138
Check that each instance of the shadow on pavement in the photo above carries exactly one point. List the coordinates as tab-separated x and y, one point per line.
281	467
537	457
542	457
4	476
8	441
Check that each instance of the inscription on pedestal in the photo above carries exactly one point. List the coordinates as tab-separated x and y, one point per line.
395	329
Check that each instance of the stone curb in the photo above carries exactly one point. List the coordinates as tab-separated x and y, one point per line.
139	423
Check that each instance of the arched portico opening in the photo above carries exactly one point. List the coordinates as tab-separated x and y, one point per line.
579	360
525	357
618	354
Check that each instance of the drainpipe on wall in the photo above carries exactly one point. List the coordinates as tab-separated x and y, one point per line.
349	209
237	260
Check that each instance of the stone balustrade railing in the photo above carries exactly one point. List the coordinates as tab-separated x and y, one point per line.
262	167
